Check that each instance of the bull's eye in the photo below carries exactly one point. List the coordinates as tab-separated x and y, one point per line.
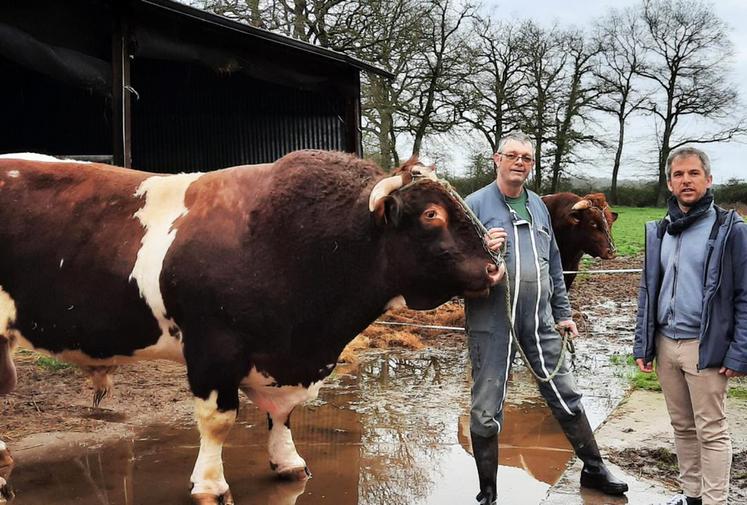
434	216
594	225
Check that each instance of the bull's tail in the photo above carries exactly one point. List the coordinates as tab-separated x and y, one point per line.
7	367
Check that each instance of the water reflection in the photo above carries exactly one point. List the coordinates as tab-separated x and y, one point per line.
394	432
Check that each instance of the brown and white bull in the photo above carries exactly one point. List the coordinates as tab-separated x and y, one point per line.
255	277
582	224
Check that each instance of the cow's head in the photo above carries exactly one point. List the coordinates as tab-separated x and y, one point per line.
433	250
591	219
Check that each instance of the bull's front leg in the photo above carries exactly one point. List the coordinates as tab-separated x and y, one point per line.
279	402
6	466
284	458
209	486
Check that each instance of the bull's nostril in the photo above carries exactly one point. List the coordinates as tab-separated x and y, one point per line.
491	268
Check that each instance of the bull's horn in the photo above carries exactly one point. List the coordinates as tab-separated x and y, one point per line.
581	205
426	171
383	188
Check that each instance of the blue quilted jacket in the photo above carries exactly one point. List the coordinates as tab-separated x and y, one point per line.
723	325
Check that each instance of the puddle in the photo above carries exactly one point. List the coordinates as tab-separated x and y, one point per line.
396	432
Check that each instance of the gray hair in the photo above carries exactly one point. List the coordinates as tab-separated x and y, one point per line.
683	151
516	136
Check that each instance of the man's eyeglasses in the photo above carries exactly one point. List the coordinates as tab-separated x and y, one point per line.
514	157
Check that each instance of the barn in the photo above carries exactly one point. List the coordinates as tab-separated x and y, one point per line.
161	86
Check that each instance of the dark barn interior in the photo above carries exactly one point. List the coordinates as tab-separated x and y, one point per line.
159	86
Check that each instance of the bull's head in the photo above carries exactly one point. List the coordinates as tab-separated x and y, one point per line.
593	217
433	250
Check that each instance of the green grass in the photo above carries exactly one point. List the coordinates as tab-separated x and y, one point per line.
628	229
622	359
51	364
650	381
645	381
738	388
638	379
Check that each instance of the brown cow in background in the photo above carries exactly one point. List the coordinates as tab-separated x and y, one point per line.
582	224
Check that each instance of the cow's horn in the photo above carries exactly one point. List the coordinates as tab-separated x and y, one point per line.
425	171
383	188
581	205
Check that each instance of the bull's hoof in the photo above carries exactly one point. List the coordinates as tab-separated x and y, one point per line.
211	499
6	491
295	474
98	397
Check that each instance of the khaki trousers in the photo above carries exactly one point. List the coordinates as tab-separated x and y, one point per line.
696	403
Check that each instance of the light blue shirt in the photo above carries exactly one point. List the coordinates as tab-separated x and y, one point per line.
683	260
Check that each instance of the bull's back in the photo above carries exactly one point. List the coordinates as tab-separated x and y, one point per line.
68	244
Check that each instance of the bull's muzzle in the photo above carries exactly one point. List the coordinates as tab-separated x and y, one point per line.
494	275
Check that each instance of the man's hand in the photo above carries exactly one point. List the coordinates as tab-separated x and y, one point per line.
568	326
644	367
731	373
497	275
495	238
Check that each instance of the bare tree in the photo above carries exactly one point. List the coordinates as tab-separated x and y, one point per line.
494	89
621	58
546	60
690	51
576	97
391	38
428	105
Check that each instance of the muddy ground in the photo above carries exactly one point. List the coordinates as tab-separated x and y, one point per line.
52	399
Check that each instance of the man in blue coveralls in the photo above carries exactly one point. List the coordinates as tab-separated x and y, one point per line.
516	217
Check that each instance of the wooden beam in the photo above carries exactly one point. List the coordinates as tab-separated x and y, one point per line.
353	140
121	100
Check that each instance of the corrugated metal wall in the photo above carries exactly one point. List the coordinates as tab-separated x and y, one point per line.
189	118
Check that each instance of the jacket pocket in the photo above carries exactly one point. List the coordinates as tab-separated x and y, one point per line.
542	241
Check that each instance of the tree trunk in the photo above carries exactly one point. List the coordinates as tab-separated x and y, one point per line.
618	157
299	20
661	194
538	163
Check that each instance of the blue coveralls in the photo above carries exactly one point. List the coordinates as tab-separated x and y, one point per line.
539	300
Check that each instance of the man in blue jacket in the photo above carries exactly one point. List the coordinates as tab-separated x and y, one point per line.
692	318
517	218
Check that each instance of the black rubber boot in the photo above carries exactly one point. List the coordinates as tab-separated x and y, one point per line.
485	451
595	474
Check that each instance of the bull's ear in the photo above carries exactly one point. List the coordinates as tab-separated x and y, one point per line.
614	216
387	211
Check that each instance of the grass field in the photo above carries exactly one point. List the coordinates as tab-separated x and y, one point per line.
628	229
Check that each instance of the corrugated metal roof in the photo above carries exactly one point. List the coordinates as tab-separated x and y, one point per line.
260	33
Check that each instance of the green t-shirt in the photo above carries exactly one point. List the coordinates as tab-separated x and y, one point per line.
519	205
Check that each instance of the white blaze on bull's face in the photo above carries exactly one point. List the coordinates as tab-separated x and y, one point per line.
164	204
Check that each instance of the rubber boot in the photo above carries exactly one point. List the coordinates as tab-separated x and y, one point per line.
595	474
485	451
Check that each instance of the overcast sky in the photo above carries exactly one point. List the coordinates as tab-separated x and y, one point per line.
728	160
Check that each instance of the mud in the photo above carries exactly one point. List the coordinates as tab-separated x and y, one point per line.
660	464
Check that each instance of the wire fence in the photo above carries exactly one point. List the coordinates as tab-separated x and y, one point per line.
459	328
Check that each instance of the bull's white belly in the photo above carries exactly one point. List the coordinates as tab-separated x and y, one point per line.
262	390
168	348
